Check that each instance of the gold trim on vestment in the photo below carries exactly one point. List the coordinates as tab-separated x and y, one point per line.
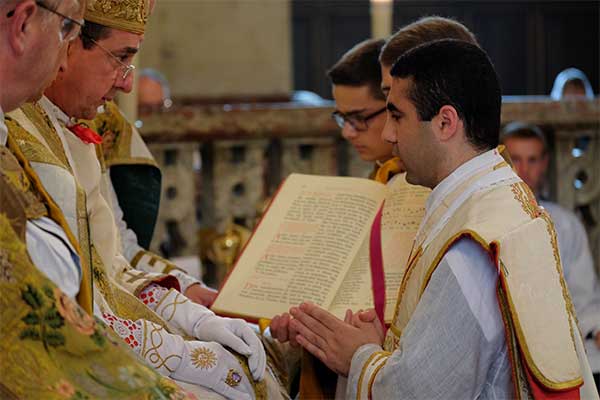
131	161
413	260
40	119
373	358
30	147
519	331
85	295
420	271
374	375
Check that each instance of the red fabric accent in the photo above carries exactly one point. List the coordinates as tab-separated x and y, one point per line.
168	282
376	263
541	393
86	134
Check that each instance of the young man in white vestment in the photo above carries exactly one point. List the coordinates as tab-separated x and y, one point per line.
528	150
360	79
483	310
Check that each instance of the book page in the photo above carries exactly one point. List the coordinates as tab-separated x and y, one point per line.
403	210
303	246
355	292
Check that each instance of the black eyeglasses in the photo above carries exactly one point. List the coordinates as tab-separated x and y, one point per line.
70	27
358	122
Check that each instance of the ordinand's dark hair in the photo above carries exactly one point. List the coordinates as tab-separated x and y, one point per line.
360	67
521	130
92	31
426	29
459	74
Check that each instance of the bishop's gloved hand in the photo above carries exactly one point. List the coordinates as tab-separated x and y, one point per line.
207	364
237	335
198	321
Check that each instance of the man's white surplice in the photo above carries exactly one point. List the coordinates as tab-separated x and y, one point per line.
454	345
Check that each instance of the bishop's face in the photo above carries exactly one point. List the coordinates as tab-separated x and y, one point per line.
413	139
94	76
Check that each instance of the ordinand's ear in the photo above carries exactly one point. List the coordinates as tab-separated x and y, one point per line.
446	123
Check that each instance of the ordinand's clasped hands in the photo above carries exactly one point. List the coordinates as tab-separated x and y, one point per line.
327	337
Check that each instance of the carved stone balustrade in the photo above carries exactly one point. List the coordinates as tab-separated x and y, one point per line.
231	157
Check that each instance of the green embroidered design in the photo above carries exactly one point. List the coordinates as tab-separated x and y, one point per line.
42	321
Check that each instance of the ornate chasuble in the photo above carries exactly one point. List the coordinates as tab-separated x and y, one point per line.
115	287
133	171
499	212
51	348
112	289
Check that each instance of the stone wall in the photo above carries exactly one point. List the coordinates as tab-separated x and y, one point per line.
215	48
247	150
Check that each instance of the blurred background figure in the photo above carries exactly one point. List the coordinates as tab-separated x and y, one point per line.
154	93
528	149
571	83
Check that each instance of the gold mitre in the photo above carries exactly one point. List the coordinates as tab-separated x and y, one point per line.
126	15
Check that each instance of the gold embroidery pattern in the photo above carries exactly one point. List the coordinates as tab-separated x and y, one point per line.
392	339
127	15
152	354
168	311
123	303
42	122
6	273
204	358
33	150
558	264
84	237
525	197
65	370
14	173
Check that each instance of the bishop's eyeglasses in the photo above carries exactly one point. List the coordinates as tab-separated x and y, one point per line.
127	69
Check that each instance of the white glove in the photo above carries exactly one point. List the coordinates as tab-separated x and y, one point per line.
237	335
198	321
207	364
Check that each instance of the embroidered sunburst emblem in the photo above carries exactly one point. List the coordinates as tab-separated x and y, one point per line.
203	358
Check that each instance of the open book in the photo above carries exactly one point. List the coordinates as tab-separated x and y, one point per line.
313	245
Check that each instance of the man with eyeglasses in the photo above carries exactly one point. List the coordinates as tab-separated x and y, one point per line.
360	105
147	310
48	343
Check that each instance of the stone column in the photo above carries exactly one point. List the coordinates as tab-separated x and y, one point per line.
577	155
316	156
177	227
